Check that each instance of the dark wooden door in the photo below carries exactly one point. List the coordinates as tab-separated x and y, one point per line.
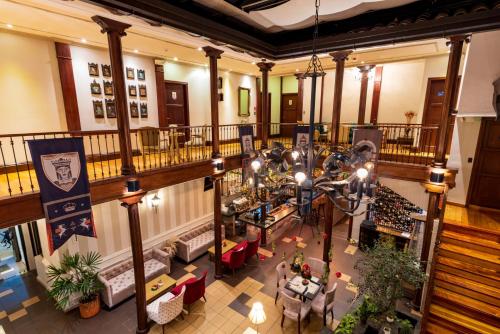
433	110
177	103
289	113
485	179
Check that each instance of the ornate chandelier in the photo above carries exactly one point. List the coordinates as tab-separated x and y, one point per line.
345	174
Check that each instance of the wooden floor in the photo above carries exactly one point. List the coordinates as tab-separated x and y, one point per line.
472	217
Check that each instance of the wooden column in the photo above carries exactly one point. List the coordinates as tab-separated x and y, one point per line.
265	68
217	179
321	98
364	70
259	107
300	93
213	54
65	65
456	44
115	31
131	203
327	242
377	86
160	95
339	58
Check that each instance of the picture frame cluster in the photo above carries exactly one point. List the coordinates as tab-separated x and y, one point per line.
137	92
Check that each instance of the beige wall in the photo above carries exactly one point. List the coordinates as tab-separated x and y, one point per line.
30	90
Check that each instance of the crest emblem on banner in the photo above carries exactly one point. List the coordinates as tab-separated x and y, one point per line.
62	169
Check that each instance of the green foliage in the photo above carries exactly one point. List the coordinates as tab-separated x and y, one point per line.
383	270
76	274
405	326
347	324
367	309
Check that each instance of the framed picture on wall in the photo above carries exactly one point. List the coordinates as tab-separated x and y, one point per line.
132	90
108	87
134	110
141	75
106	70
93	70
110	109
221	97
130	73
144	110
98	109
142	91
219	82
95	88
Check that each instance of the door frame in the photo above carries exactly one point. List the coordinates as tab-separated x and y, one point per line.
427	95
281	107
163	112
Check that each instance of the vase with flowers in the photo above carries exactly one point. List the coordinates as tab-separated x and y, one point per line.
306	271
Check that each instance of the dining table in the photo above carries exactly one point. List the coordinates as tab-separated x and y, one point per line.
305	288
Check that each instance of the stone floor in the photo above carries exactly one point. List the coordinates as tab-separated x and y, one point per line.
25	308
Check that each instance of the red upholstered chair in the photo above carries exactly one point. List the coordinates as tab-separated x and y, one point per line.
252	248
195	289
235	258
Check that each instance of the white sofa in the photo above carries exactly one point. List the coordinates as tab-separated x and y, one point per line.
197	241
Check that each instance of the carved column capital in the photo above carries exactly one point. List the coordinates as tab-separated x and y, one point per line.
212	52
457	39
365	68
299	76
340	56
111	26
265	66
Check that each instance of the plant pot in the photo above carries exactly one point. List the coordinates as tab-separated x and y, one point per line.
387	330
389	319
90	309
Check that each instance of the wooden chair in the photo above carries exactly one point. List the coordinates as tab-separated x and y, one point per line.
294	309
149	140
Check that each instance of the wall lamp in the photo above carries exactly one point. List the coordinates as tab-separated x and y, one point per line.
155	202
219	165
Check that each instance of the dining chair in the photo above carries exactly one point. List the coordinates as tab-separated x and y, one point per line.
294	309
252	248
281	281
166	308
195	289
235	258
322	304
317	266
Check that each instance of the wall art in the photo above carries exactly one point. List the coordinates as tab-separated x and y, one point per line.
144	110
93	70
98	109
142	91
132	90
134	109
108	87
106	70
95	88
130	73
110	108
141	75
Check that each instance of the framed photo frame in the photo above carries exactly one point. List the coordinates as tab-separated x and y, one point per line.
243	102
106	70
142	91
93	70
110	108
221	97
141	75
98	109
144	110
132	90
219	82
134	109
95	88
108	88
130	73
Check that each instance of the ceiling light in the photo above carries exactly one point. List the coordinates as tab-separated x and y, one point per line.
253	63
363	62
200	49
176	59
136	51
83	40
10	26
206	65
296	70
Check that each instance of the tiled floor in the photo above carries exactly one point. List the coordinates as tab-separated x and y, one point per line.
228	300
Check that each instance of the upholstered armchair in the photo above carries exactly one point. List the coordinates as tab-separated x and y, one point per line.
195	289
322	304
166	308
317	266
294	309
252	248
281	281
235	258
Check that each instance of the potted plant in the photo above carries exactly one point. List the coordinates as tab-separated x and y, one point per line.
366	310
383	270
405	326
171	246
347	324
77	274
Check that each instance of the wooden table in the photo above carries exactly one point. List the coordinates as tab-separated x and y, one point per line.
308	291
168	283
228	246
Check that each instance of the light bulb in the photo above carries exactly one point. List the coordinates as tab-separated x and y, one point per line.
362	173
255	165
369	165
295	155
300	177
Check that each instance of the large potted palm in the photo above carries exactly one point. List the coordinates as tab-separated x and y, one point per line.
77	275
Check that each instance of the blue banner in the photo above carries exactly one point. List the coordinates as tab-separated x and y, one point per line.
61	170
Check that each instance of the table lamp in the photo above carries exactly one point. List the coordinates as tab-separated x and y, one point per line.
257	315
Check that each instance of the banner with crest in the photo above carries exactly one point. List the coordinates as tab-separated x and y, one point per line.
61	170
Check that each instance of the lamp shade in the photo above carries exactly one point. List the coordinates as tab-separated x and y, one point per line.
257	315
437	175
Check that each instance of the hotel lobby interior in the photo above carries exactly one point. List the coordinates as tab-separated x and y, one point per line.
250	166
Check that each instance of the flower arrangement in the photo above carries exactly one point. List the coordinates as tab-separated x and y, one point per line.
306	271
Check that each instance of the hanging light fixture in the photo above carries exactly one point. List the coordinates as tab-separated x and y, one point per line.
344	177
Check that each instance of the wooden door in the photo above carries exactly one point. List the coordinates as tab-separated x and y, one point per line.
485	180
432	115
177	103
289	113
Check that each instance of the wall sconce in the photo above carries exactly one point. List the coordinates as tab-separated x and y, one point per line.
219	165
155	202
437	175
365	68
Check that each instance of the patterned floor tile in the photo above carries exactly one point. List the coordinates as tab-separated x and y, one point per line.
3	314
298	239
190	268
18	314
185	278
351	250
287	240
344	277
265	252
351	287
301	245
31	301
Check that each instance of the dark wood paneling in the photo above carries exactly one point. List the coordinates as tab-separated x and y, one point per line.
160	95
65	65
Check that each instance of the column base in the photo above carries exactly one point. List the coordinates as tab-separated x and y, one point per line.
142	331
218	276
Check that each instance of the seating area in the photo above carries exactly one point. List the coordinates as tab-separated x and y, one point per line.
196	242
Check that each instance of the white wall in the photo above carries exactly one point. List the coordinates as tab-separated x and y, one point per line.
30	89
81	56
198	80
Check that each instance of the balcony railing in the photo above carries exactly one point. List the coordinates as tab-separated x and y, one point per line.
166	147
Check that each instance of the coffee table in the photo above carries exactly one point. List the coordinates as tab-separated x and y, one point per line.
228	246
166	282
